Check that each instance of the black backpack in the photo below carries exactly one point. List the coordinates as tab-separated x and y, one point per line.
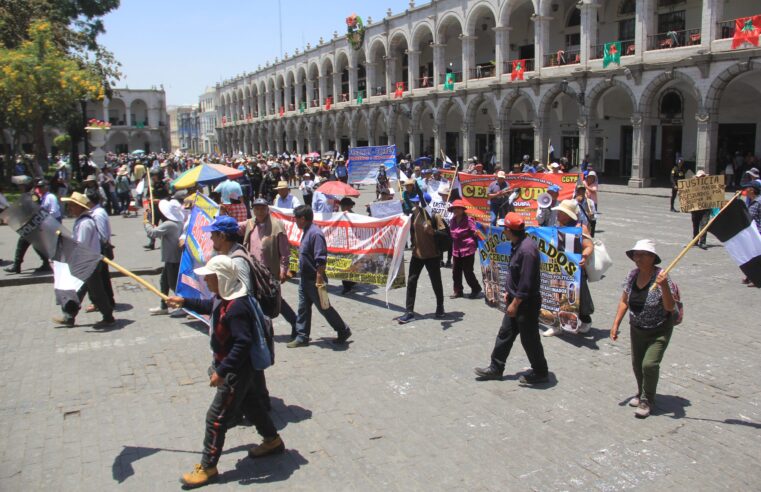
264	287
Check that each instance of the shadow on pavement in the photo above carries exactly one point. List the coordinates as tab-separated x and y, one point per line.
276	468
283	414
120	324
122	306
588	340
669	404
328	343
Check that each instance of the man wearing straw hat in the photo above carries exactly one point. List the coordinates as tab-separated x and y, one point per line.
284	198
85	232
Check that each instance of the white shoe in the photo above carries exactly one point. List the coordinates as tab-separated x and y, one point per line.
158	310
551	332
584	328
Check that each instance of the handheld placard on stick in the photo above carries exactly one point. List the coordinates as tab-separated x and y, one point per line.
137	279
696	238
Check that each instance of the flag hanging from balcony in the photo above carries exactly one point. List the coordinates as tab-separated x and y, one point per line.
747	30
449	82
302	106
399	92
328	102
359	97
519	67
282	111
611	54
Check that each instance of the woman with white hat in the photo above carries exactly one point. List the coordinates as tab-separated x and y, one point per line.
650	318
169	231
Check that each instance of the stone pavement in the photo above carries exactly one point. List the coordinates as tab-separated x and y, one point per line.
399	409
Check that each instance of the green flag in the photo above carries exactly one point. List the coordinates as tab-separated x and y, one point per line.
302	107
612	54
449	82
359	97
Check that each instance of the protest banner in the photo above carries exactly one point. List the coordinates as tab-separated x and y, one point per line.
361	249
560	274
701	193
198	249
442	208
473	188
364	163
386	208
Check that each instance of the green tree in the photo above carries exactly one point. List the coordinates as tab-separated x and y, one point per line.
40	84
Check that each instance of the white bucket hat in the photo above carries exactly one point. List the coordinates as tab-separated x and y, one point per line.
172	210
568	207
230	286
647	245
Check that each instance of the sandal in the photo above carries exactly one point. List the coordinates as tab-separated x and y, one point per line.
91	308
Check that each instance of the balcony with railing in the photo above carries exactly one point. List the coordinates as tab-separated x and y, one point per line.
563	57
423	82
726	29
483	71
379	91
507	67
457	77
673	39
627	48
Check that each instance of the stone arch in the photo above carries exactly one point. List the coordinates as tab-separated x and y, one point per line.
394	38
511	99
507	8
602	87
445	20
546	103
421	29
654	87
720	83
138	108
472	106
325	63
445	106
373	45
417	112
473	15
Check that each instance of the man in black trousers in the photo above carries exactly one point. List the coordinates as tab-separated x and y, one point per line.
523	304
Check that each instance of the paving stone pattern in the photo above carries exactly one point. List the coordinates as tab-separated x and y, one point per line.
400	409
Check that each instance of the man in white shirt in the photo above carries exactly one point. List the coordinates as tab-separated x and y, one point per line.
284	199
85	232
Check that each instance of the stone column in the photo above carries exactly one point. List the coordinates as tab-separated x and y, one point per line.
583	124
640	177
323	88
413	68
310	92
438	65
353	135
311	138
468	56
413	137
437	134
352	83
391	76
336	87
467	136
502	48
262	104
539	150
707	135
642	25
711	15
370	78
541	39
499	148
105	108
287	101
323	142
128	116
588	30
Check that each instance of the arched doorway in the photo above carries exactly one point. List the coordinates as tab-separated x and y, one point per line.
739	138
450	35
451	120
378	63
518	123
398	51
483	115
611	131
139	112
562	128
117	112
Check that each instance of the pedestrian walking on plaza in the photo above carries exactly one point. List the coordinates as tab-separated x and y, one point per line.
753	196
677	172
651	321
425	253
523	304
103	223
464	244
85	232
237	328
313	255
269	183
346	205
169	231
123	189
700	219
586	207
265	239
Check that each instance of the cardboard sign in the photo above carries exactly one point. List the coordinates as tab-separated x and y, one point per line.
703	193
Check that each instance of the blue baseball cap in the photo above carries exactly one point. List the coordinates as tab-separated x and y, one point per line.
224	224
554	188
416	198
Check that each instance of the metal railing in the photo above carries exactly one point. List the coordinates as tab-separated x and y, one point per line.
726	29
379	91
483	71
673	39
507	67
562	57
457	77
627	48
423	82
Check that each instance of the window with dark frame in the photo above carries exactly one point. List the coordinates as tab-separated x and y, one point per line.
671	21
626	29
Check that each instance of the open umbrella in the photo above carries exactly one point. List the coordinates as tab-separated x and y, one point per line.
205	174
338	188
422	161
138	152
313	155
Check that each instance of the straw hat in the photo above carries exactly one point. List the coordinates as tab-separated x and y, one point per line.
77	198
172	210
443	190
647	245
568	207
282	185
230	287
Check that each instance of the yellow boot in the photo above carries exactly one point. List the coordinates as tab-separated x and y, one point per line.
267	447
200	476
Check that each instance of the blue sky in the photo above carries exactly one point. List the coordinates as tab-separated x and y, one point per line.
187	45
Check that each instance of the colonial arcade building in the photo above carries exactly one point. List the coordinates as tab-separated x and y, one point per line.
442	76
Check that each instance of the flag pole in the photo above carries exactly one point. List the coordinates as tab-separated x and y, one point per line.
451	185
696	238
549	144
134	277
150	194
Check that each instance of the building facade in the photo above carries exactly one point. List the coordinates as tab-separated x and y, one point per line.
207	108
679	89
138	120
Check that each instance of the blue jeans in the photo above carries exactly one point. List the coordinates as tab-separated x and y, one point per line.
308	296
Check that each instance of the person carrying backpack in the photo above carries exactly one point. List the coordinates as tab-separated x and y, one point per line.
652	316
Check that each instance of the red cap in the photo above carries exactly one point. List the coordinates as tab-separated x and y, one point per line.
458	204
514	221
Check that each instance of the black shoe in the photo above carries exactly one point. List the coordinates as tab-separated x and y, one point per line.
104	323
440	313
342	337
475	294
531	378
13	268
44	268
346	290
674	210
456	295
149	247
448	264
405	318
490	372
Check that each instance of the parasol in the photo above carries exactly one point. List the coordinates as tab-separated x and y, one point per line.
338	188
205	174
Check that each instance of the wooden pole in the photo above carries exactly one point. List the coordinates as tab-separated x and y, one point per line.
696	238
150	194
134	277
451	185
